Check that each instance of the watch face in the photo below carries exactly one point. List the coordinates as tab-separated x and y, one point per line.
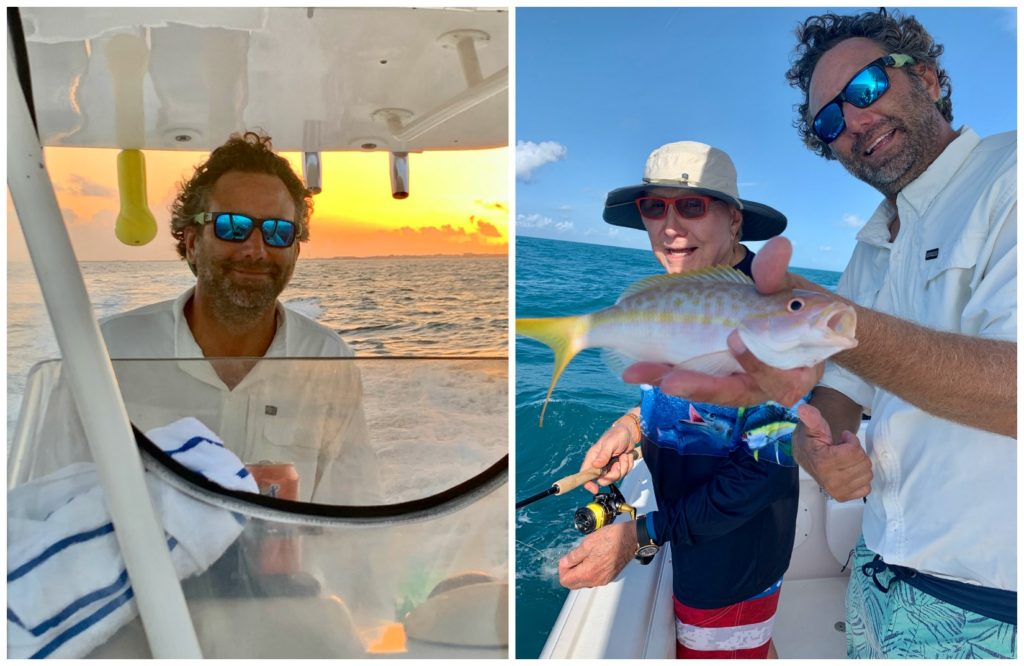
648	550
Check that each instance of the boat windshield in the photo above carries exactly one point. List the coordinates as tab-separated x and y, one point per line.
413	563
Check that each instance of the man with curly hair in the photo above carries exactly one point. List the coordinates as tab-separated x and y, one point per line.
220	221
238	222
934	280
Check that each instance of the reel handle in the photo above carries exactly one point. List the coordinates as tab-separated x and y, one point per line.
576	480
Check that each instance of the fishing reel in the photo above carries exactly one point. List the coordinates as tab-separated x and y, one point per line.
602	510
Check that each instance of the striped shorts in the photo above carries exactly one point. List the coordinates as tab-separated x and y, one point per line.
739	631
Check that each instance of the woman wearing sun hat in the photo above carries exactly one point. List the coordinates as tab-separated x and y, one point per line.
724	480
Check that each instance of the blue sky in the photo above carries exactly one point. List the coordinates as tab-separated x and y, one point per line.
598	89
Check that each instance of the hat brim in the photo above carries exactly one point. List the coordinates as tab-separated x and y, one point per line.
760	222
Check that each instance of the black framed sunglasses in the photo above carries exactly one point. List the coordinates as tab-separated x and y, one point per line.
236	228
862	91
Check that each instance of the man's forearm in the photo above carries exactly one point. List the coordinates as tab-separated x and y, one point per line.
965	379
839	411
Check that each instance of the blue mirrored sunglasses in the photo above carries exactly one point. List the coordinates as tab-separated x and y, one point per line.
862	91
236	228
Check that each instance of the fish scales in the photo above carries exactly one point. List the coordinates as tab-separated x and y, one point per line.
685	319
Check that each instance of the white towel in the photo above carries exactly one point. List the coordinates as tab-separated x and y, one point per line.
67	588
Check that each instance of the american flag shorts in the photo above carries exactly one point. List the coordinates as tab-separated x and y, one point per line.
739	631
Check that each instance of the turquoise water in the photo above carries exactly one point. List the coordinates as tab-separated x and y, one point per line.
560	278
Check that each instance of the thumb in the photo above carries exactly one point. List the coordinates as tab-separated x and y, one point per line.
573	557
848	437
771	265
815	424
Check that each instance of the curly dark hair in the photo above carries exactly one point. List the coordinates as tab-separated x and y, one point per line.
895	33
251	152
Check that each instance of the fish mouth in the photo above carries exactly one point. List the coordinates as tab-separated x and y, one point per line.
843	322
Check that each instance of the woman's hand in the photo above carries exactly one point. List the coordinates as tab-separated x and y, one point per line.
622	437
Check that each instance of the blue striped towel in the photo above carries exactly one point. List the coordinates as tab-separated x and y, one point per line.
67	588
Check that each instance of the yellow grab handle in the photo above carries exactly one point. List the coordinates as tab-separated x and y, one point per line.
135	223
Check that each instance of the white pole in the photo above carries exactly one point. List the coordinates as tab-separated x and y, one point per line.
157	591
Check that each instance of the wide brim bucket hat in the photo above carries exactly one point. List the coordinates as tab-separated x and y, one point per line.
696	167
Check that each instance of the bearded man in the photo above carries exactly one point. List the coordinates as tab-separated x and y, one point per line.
238	223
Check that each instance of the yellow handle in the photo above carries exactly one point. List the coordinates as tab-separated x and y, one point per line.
135	223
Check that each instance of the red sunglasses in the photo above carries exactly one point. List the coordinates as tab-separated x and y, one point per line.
689	207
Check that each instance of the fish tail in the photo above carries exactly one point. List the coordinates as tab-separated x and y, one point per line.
565	336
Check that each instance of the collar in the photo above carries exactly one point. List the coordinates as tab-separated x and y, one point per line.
919	194
185	345
930	184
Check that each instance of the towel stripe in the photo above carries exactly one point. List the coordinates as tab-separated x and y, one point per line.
75	630
80	603
93	619
56	548
191	444
13	617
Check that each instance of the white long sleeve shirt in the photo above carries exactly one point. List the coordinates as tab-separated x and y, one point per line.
943	497
308	412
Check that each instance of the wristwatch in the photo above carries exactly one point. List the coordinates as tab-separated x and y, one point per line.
646	549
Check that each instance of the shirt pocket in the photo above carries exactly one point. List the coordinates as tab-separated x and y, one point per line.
283	436
946	286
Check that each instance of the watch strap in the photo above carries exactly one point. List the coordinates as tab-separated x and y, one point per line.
643	539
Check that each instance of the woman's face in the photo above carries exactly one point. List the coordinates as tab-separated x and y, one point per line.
684	244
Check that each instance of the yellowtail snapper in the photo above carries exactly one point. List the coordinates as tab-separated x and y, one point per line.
684	319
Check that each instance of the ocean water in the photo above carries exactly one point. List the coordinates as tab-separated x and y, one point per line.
395	306
561	278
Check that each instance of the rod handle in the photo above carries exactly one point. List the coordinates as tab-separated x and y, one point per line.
576	480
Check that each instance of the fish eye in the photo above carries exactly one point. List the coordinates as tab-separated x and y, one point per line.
795	305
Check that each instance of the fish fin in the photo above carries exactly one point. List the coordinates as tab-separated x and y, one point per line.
565	336
720	273
616	361
718	364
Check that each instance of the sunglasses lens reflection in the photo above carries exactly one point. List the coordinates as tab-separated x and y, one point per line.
233	227
237	228
829	123
867	87
862	91
278	233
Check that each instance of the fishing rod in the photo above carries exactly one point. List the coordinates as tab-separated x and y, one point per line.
576	480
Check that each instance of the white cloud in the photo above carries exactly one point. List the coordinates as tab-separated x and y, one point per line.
531	156
538	221
852	220
614	231
824	248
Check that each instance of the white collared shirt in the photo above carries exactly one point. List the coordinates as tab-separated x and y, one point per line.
943	497
160	330
305	412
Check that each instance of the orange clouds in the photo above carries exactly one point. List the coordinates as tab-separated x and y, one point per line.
457	204
477	237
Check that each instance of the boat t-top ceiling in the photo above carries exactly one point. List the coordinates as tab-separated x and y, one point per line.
315	79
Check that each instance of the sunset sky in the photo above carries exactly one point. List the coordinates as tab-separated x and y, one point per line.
458	203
